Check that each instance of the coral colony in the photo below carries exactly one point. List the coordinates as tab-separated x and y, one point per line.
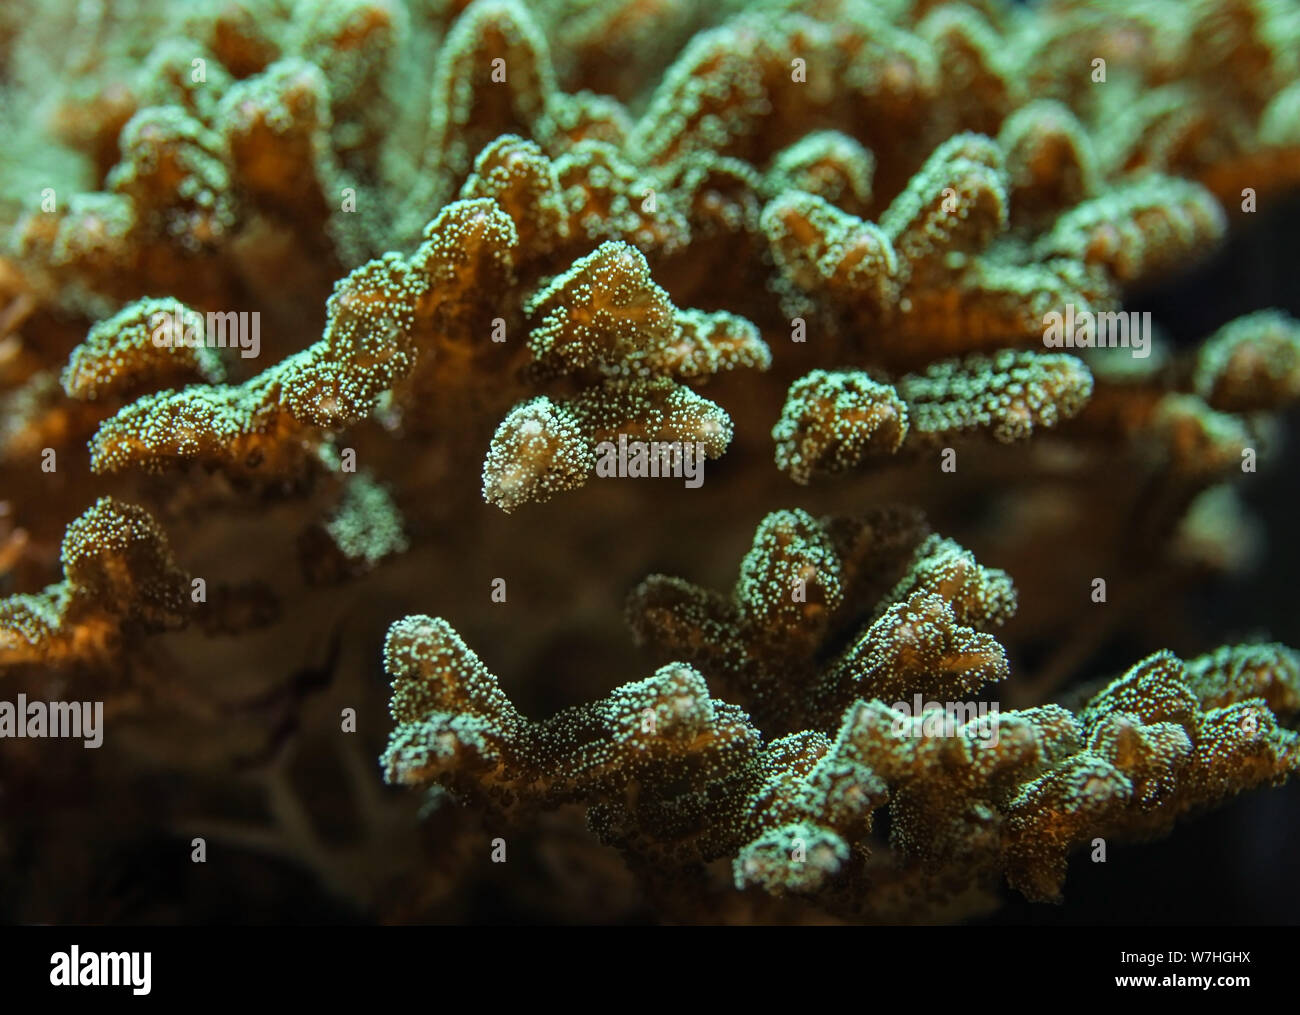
318	317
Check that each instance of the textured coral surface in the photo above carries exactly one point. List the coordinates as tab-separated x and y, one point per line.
619	418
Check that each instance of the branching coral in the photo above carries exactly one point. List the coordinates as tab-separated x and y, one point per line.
118	571
833	422
675	778
485	242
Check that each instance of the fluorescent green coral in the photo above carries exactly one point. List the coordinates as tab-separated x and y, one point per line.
981	597
827	164
1139	229
117	570
366	526
120	353
1251	363
1009	394
834	421
177	169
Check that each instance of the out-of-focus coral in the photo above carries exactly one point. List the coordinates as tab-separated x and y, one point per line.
1251	364
316	293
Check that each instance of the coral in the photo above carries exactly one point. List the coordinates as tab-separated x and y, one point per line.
675	778
833	422
120	354
803	581
1164	739
348	301
118	573
1250	364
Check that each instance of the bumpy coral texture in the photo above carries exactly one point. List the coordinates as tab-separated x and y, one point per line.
820	239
